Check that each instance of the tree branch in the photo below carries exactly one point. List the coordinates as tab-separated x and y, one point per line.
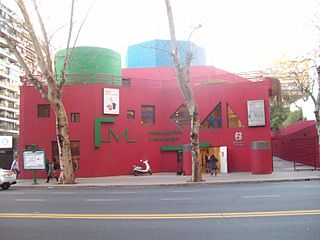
35	82
46	45
33	36
67	57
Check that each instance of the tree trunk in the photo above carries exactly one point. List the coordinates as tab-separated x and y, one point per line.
317	116
64	145
183	77
195	148
317	106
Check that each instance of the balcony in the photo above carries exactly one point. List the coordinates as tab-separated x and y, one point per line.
7	54
8	120
9	109
14	131
8	97
10	87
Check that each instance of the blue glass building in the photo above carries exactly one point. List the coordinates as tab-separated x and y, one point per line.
157	53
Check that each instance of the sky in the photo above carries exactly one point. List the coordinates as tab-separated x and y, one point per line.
238	35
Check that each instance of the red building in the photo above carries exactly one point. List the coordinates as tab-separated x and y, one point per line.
112	127
298	143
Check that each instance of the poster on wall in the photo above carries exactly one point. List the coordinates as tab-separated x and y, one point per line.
33	160
256	113
111	101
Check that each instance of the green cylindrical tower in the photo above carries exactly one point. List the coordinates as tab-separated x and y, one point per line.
90	65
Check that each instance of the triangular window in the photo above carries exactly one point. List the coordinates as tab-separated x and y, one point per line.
233	119
181	116
214	120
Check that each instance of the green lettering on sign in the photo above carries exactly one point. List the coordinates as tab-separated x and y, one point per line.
97	132
118	139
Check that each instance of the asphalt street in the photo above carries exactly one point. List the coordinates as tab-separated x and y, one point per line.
234	211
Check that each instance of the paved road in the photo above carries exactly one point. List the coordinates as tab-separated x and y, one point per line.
240	211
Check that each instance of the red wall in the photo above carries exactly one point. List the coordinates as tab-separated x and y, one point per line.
117	158
297	142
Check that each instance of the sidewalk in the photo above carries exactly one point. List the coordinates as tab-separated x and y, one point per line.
283	171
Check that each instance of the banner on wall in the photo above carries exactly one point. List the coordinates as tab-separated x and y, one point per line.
111	101
256	113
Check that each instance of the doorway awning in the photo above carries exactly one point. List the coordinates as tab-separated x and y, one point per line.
180	147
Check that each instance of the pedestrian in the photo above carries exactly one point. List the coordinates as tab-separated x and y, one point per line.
206	157
56	164
15	167
51	172
213	164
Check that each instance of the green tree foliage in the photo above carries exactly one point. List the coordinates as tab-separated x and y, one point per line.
278	114
293	117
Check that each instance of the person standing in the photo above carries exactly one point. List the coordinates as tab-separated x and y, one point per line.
51	172
213	164
15	166
206	157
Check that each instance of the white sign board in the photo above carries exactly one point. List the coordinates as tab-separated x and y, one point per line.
256	113
111	101
223	160
34	160
5	141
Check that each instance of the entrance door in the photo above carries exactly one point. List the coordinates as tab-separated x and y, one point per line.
211	150
179	161
204	164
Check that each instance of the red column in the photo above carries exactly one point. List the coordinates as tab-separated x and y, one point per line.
187	163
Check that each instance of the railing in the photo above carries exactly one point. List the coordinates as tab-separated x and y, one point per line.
79	78
114	80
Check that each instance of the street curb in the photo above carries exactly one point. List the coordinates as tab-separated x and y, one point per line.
186	184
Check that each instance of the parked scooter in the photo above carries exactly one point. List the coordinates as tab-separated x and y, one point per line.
138	170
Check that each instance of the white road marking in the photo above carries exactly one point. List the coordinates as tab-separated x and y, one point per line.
14	193
175	199
185	191
262	196
103	200
122	192
31	200
61	193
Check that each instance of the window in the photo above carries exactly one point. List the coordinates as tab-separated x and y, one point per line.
181	116
75	117
44	111
75	152
147	115
131	114
126	82
233	119
214	119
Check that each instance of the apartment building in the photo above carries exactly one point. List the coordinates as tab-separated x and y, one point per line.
10	73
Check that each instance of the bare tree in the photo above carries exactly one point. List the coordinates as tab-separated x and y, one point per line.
183	76
299	80
316	101
47	84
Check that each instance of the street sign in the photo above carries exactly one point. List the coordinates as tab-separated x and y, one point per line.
5	141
